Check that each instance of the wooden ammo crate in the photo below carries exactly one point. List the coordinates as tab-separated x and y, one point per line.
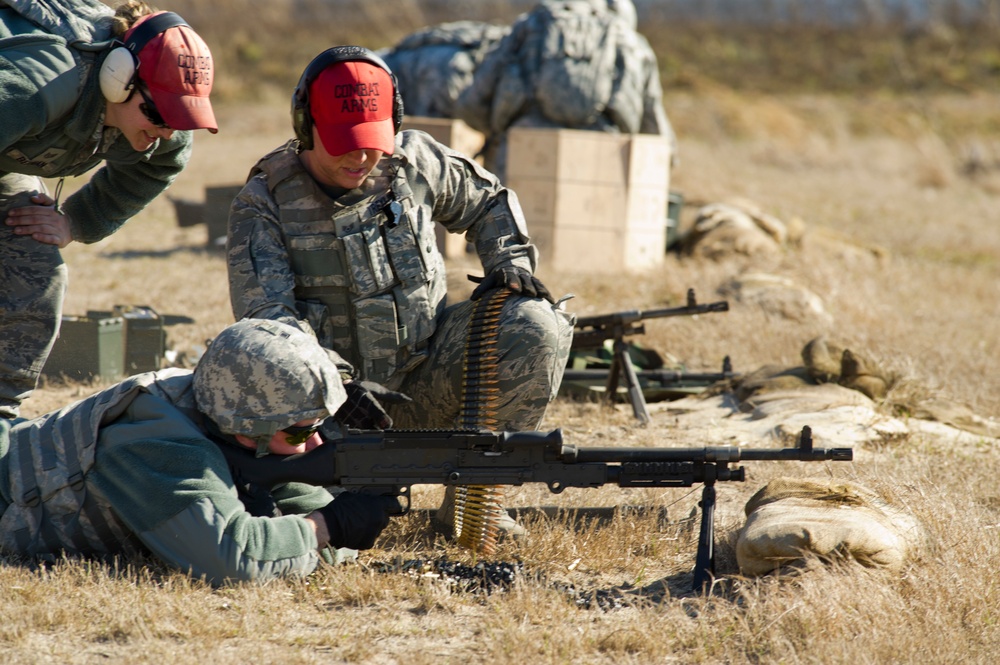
593	200
453	133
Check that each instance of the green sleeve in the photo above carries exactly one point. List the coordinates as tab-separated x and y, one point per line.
171	486
118	190
24	111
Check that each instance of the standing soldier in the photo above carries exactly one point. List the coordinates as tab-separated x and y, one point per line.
334	232
80	85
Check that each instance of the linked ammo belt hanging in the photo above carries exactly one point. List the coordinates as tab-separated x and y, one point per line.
478	508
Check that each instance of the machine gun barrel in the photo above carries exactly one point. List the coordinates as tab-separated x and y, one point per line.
720	454
663	377
636	315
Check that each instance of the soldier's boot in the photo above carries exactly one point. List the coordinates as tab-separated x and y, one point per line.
444	519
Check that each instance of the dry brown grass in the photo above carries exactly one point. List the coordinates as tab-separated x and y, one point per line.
926	303
902	246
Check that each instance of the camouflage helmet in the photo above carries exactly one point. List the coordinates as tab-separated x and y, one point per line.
260	376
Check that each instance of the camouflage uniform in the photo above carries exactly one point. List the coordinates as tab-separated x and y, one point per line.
33	281
505	91
137	467
53	127
433	66
361	269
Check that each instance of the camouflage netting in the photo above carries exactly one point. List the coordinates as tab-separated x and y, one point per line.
791	520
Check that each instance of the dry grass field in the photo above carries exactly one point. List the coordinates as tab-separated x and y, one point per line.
896	197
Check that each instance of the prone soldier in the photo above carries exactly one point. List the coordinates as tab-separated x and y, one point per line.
138	467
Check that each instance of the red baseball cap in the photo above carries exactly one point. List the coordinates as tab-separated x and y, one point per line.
351	108
176	66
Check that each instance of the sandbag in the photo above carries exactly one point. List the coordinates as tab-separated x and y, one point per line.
789	520
954	414
829	361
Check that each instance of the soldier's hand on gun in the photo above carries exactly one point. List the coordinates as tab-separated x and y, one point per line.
355	520
363	408
44	221
518	280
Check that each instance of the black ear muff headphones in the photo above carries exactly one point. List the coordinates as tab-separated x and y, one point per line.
118	72
302	121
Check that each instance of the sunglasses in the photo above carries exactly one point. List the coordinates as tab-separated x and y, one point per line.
297	435
149	110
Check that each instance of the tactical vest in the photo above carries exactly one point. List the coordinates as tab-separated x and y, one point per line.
368	276
49	457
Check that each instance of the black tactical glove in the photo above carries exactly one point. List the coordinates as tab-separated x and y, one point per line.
355	520
363	408
518	280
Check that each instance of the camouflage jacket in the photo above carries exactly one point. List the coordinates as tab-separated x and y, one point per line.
131	468
363	270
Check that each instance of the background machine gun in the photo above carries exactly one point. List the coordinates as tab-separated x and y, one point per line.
593	331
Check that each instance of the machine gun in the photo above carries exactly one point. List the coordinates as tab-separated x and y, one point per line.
390	462
593	331
655	381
